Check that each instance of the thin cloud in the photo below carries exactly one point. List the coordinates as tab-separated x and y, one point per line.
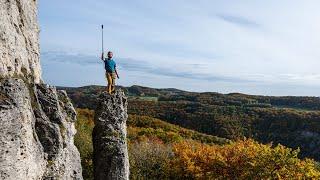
130	64
241	21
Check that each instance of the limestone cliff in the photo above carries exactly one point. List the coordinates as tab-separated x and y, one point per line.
19	37
110	156
21	153
37	121
36	133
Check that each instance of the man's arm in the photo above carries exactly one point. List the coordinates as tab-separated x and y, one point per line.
102	57
115	70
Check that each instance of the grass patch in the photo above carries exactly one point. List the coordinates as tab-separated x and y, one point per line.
83	140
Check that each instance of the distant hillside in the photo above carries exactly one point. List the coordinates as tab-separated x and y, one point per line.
140	127
291	121
238	99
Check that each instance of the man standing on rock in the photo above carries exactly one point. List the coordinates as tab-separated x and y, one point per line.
111	71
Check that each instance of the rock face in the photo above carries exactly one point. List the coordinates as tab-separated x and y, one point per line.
36	133
55	117
21	153
37	121
19	47
110	156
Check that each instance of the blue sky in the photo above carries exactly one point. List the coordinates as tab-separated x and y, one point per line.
256	47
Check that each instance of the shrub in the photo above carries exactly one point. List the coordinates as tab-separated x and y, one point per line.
245	159
149	159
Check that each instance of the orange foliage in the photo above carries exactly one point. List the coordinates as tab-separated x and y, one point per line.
240	160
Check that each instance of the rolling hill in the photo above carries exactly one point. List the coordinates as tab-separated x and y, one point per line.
290	121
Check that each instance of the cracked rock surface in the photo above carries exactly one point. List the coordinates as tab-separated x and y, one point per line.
110	156
19	37
36	133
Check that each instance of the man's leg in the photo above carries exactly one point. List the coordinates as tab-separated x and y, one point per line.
113	85
109	79
113	82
